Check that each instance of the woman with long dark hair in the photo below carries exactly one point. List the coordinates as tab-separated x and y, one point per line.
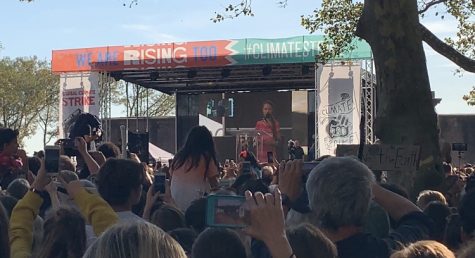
194	170
269	129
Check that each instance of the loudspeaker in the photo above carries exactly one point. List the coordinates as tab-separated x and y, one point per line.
138	144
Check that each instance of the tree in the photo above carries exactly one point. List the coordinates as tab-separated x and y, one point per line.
405	113
159	104
470	97
26	86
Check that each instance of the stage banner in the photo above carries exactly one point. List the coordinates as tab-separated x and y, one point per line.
339	106
232	52
79	93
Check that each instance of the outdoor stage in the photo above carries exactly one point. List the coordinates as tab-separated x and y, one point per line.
237	75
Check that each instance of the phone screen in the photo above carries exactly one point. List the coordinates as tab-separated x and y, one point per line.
226	211
52	159
159	183
270	157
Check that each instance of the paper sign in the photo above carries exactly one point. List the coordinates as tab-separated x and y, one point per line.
385	157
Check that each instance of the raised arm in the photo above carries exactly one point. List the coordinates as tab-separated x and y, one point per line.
396	205
23	216
88	159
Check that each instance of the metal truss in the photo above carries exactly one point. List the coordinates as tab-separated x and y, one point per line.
368	90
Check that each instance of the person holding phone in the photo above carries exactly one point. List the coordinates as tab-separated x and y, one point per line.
194	170
98	213
269	129
12	159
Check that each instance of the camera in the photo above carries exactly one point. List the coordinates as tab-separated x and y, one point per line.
461	147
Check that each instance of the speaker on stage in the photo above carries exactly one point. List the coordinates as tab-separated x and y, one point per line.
138	144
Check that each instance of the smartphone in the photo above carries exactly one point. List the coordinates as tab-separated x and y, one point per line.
52	159
246	167
270	157
159	182
226	211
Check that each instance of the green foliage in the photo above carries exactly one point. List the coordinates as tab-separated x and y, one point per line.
338	20
159	104
470	97
27	87
234	10
463	11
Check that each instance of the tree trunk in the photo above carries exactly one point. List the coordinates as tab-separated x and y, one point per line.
405	113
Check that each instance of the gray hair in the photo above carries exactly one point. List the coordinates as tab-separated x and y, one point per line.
339	192
18	188
137	239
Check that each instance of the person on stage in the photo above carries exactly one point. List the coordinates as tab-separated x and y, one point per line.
269	130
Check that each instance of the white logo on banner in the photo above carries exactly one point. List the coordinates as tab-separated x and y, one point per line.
339	107
79	93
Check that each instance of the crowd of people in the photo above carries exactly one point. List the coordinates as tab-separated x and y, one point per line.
101	204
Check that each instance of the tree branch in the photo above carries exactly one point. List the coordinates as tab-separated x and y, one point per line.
446	50
430	4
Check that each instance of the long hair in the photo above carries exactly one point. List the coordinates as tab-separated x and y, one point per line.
271	119
64	235
137	239
199	143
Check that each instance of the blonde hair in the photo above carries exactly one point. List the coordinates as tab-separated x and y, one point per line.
424	249
138	239
427	196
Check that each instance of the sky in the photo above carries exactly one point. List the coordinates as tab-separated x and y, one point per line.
37	28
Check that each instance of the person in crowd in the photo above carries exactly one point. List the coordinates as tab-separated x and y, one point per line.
4	239
467	216
269	129
64	235
377	222
291	149
439	214
12	159
299	152
58	231
453	187
8	203
340	190
468	251
18	188
453	235
427	196
194	169
218	243
424	249
447	168
135	239
34	164
168	218
185	237
268	175
110	150
119	182
195	215
66	163
307	241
